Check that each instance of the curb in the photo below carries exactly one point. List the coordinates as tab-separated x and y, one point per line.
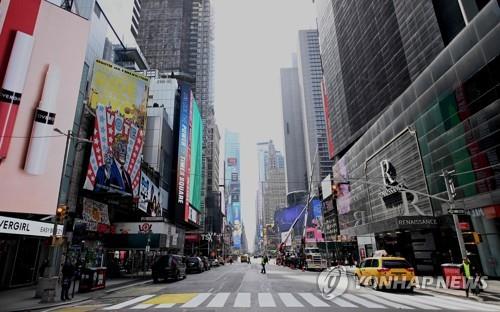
52	305
147	281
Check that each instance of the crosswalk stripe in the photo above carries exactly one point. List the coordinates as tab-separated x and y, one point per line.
363	302
406	300
313	300
219	300
196	301
266	300
128	302
242	300
343	303
289	300
470	304
164	305
386	302
142	306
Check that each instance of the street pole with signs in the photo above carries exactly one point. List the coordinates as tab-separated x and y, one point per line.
450	190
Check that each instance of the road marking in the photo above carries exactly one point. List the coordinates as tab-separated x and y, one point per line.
386	302
407	300
172	298
128	302
343	303
196	301
266	300
313	300
142	306
219	300
289	300
164	305
363	302
242	300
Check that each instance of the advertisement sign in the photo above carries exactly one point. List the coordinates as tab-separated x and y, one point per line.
141	228
124	90
196	158
326	187
237	235
94	211
149	197
119	97
115	157
232	161
183	163
27	227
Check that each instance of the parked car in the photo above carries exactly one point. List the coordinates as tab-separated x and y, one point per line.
384	272
214	262
169	266
195	264
206	263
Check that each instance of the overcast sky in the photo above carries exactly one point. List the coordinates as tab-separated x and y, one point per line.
253	40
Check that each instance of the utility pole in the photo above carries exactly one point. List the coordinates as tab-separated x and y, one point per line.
450	190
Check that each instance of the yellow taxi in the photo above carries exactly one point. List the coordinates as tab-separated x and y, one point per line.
386	272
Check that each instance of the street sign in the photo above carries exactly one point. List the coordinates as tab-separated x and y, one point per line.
456	211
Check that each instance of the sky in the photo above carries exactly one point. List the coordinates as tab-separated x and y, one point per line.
253	40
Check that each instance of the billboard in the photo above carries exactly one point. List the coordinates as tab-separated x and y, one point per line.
196	157
94	211
150	198
119	98
183	156
51	26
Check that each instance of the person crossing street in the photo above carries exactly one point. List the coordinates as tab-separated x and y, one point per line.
265	260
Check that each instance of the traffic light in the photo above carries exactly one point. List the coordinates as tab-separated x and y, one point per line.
61	213
471	238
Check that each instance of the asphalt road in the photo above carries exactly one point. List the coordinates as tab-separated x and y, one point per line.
242	287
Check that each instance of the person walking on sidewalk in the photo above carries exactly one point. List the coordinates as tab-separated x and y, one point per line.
68	271
466	269
264	262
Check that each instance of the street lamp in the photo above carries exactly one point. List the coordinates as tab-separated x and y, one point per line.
51	280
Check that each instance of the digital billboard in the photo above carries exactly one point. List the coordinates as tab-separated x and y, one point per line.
183	158
119	98
232	177
196	158
150	198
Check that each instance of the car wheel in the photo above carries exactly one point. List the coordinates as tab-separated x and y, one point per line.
178	275
155	278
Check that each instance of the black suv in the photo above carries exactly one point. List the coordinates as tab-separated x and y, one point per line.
169	266
195	264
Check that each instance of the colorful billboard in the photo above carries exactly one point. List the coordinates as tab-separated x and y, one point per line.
119	97
150	199
183	158
196	158
50	26
232	181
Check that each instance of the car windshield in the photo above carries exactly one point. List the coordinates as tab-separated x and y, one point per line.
395	264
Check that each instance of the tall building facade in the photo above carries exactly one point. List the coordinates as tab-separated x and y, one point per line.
273	183
439	115
370	55
177	36
313	116
295	157
232	185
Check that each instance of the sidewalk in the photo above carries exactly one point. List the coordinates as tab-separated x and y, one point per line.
489	295
22	299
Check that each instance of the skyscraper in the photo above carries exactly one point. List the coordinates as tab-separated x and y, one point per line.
313	117
371	51
232	183
295	157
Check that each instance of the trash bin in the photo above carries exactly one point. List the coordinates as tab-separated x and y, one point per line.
92	279
452	274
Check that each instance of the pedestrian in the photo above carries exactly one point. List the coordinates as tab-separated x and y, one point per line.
467	275
68	271
264	262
